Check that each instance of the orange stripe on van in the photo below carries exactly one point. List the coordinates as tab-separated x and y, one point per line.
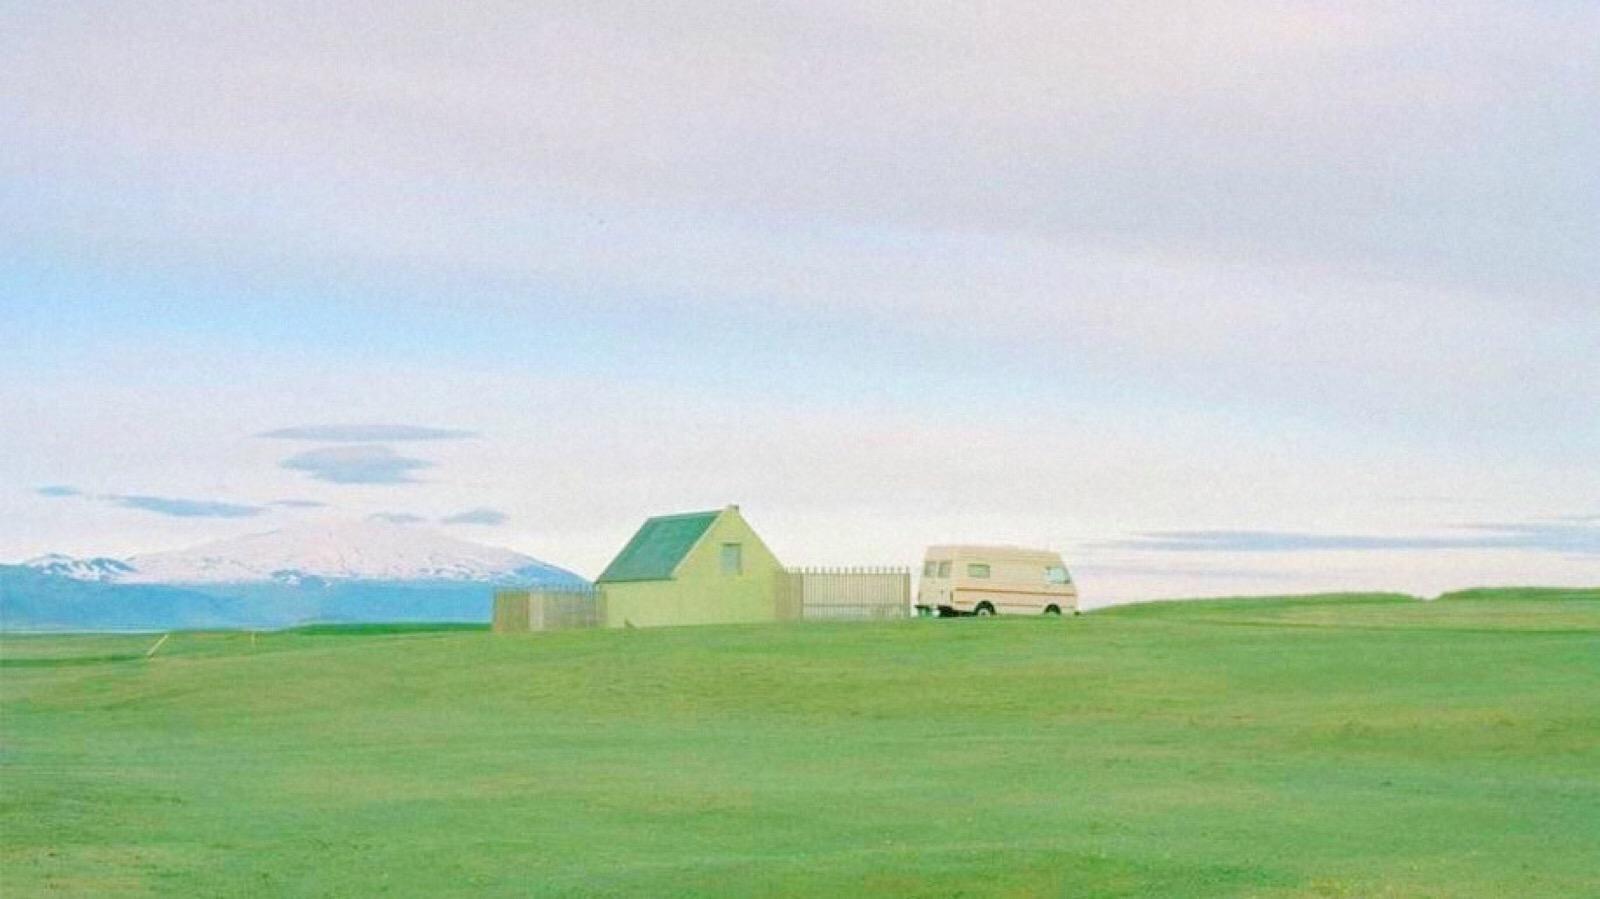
1004	590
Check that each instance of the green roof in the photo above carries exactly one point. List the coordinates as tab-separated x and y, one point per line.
655	551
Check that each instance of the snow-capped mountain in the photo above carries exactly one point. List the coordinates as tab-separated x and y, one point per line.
98	568
358	572
369	550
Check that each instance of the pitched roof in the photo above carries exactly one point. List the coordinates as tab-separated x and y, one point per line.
655	551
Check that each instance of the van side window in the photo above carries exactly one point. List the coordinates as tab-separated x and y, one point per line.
944	569
1057	574
929	568
978	569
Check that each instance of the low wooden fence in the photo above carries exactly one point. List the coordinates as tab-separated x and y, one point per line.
810	594
548	609
844	594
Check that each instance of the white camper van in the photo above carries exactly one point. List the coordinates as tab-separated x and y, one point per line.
995	580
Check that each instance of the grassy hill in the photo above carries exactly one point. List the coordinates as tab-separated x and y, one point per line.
1327	746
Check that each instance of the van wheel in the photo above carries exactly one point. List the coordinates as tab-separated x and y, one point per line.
983	609
1052	610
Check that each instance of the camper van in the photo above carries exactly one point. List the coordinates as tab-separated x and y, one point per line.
995	580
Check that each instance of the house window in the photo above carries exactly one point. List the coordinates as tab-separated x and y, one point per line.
732	558
978	569
944	569
1056	574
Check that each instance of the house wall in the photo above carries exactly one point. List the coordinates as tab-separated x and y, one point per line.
699	592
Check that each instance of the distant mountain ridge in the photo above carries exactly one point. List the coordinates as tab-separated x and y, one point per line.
351	572
351	551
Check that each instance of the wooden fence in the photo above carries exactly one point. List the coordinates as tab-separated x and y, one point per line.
547	609
844	594
810	594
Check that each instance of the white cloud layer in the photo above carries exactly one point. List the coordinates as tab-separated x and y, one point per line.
887	274
365	433
361	464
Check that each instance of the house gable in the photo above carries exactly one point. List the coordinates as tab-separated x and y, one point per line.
704	560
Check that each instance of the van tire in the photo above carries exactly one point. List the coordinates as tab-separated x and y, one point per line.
983	610
1053	610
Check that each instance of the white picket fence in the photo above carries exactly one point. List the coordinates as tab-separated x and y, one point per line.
844	594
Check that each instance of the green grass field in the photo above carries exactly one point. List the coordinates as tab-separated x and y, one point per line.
1337	746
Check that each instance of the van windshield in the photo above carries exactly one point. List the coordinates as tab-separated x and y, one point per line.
944	569
1057	574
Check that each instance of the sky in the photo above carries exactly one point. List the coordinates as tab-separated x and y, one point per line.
1214	297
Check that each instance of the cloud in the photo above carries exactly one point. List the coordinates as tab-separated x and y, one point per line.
396	517
1542	536
183	508
297	503
1273	223
365	464
161	505
1091	571
476	516
366	433
1435	499
1576	537
894	108
1254	174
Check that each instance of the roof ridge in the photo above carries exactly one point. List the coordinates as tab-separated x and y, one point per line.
684	515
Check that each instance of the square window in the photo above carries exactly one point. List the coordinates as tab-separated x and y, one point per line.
732	558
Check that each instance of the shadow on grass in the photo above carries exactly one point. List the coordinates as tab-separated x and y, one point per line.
68	661
367	630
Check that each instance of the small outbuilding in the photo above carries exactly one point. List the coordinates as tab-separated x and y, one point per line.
692	568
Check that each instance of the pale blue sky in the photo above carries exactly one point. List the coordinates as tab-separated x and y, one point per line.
1219	296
